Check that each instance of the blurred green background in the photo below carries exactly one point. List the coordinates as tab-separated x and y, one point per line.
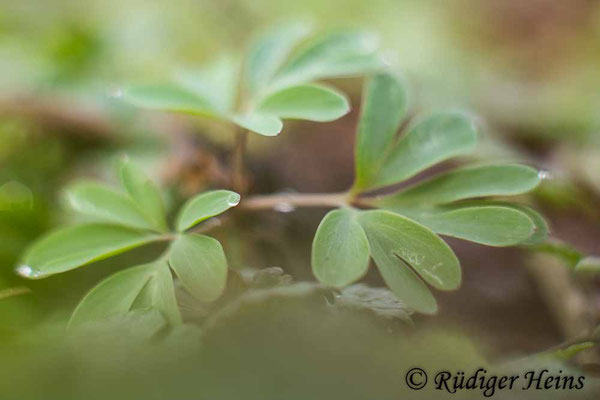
528	70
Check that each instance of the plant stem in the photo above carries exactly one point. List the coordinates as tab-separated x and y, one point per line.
292	200
238	176
16	291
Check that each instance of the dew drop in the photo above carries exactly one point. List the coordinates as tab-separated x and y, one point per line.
233	200
27	272
284	207
545	174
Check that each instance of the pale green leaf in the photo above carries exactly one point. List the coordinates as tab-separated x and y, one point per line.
269	52
588	264
113	296
163	296
204	206
266	125
104	203
487	224
400	278
169	97
398	244
159	293
429	142
465	183
340	250
383	107
200	264
74	246
337	54
144	193
309	102
215	82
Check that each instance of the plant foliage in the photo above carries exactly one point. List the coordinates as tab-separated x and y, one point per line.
122	220
400	229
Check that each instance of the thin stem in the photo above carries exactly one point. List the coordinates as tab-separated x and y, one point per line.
238	176
16	291
274	201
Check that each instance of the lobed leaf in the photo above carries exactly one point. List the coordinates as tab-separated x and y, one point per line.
204	206
75	246
465	183
384	106
200	264
337	54
266	125
398	244
429	142
168	97
487	224
269	53
144	193
215	82
340	250
104	203
113	296
309	102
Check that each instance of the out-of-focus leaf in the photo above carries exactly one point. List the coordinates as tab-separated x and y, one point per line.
431	141
464	183
309	102
144	193
340	250
163	293
215	82
266	125
169	98
589	264
106	204
200	264
564	251
381	301
489	225
383	107
127	329
399	246
269	53
74	246
204	206
334	55
113	296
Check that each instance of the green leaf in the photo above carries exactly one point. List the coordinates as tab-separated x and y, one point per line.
398	244
74	246
113	296
163	293
340	250
384	106
169	98
464	183
338	54
431	141
144	193
215	82
204	206
309	102
106	204
489	225
200	264
588	264
269	52
266	125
